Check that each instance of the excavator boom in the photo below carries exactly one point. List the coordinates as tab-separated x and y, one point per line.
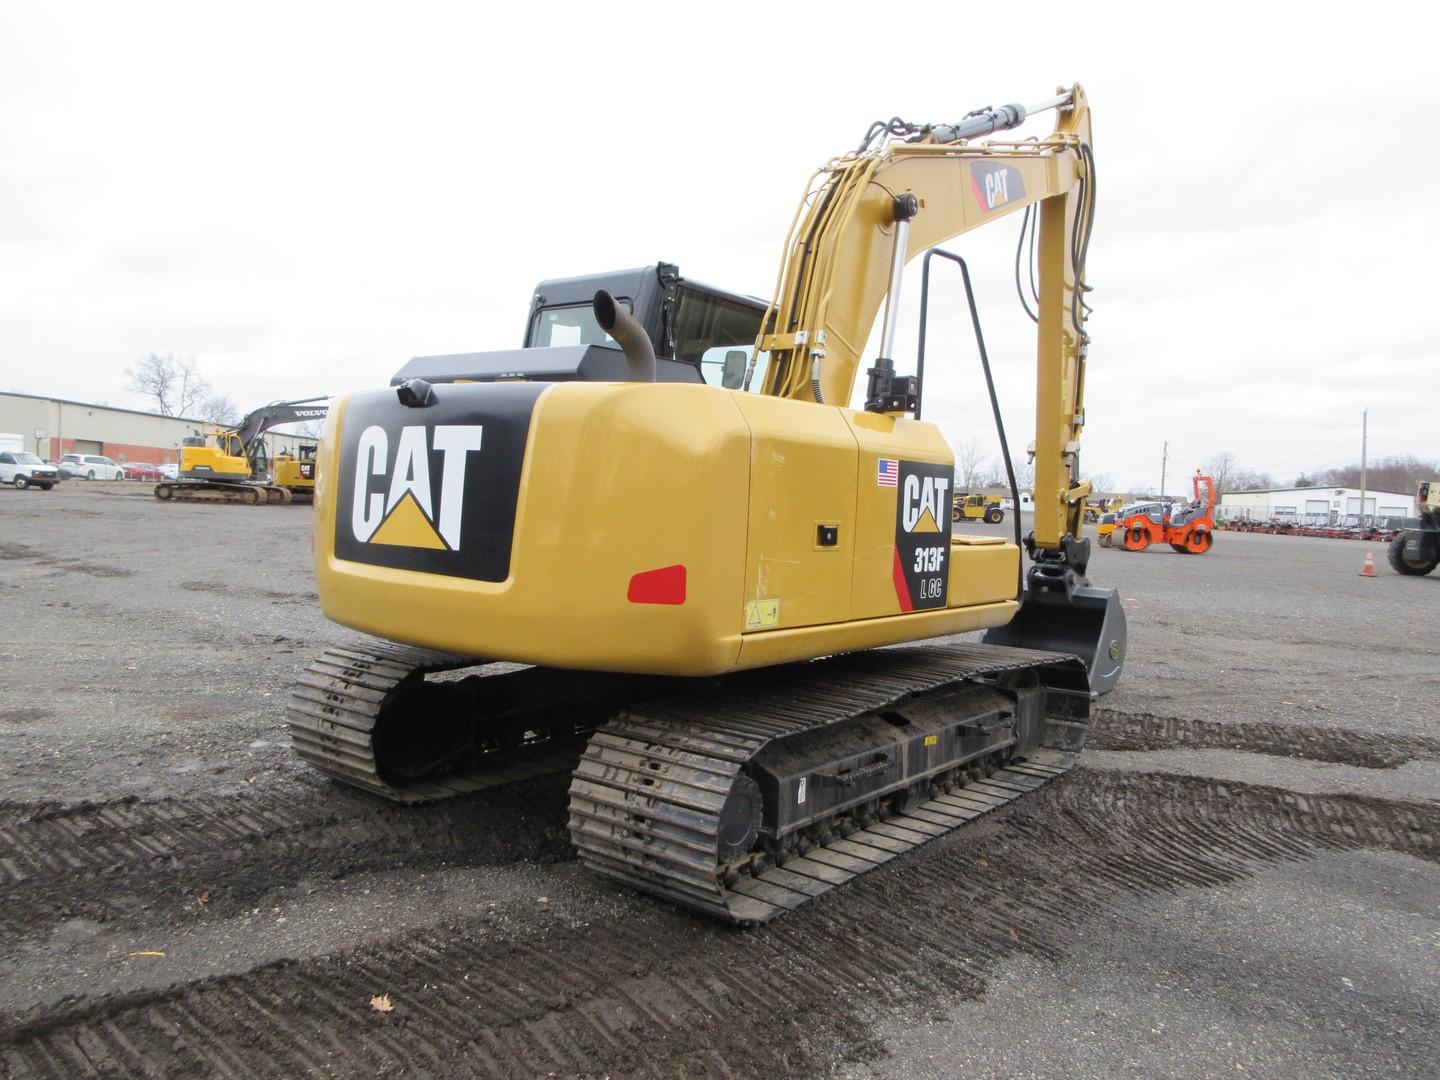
850	242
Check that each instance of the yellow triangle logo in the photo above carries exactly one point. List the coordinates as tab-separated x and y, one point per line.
407	526
925	524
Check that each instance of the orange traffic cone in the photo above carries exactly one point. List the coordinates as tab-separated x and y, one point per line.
1368	570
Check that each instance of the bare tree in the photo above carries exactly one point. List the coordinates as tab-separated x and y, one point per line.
1400	474
176	385
968	458
218	409
1222	469
1025	476
1102	483
1248	480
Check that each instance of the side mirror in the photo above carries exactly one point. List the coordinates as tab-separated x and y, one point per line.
732	376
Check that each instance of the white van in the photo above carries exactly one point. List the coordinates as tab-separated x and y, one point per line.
24	469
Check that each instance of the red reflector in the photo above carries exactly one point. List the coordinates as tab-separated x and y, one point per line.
663	586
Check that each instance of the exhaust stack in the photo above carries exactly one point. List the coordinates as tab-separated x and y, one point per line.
628	334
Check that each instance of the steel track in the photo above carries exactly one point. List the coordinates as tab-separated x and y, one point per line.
339	699
646	801
647	795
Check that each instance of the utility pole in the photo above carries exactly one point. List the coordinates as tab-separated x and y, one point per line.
1164	457
1364	436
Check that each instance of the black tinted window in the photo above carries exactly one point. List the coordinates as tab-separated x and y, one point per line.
705	323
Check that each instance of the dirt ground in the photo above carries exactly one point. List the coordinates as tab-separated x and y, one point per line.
1240	879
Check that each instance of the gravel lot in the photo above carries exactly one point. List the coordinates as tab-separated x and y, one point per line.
1240	880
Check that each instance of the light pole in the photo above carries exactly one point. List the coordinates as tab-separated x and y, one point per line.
1364	434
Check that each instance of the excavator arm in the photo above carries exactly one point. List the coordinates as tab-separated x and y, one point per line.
261	420
866	213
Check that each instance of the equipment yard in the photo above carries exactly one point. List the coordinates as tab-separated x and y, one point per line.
1239	877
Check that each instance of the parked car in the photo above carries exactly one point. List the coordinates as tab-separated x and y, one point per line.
170	471
90	467
142	470
24	469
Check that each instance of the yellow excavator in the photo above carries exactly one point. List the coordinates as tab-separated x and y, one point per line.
231	464
659	540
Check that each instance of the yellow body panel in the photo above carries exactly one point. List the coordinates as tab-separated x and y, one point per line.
617	480
621	479
209	462
983	572
787	646
802	473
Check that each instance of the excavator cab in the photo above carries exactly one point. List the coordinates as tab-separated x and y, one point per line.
693	328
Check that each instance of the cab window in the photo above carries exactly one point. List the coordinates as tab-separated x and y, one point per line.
7	459
573	325
718	335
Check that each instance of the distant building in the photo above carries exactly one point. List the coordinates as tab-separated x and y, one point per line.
1314	505
54	426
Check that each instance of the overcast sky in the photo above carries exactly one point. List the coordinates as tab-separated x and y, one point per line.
303	196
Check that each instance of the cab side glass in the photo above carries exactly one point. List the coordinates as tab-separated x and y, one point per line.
573	325
718	334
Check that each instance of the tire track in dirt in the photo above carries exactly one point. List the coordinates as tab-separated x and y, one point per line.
1143	731
56	562
662	993
103	861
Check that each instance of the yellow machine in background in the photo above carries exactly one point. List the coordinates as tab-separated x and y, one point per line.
1096	507
1415	550
231	464
664	507
295	472
986	508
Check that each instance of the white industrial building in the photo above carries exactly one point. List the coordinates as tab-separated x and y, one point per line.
1314	505
53	426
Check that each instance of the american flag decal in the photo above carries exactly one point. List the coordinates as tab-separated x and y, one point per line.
887	472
